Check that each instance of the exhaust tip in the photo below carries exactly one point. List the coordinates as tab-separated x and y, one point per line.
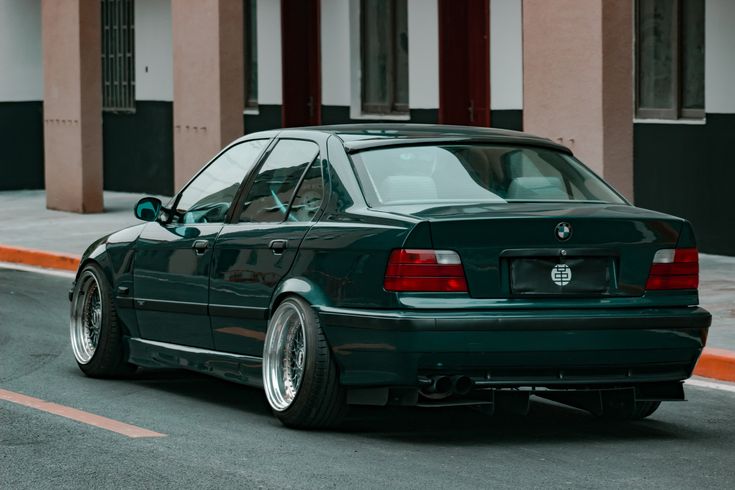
438	387
442	385
462	385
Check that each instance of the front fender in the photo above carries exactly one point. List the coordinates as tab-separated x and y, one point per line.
114	254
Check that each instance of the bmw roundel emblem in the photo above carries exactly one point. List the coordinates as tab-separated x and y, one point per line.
563	231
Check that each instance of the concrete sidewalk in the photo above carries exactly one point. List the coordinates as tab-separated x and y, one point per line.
28	224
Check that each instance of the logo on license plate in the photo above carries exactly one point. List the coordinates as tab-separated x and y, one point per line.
561	274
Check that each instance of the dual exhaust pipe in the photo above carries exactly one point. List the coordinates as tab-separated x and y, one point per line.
444	386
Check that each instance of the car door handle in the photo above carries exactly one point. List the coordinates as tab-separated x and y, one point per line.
200	246
278	246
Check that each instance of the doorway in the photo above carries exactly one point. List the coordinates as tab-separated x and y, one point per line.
464	62
301	66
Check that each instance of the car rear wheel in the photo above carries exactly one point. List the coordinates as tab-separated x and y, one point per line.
299	375
627	411
95	330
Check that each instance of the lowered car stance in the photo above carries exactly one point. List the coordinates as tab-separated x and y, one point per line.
399	265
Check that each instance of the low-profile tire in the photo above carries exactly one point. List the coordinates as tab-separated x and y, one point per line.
95	329
300	377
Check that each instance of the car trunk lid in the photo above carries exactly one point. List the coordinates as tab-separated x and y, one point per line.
521	249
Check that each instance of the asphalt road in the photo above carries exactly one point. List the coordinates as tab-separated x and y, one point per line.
221	435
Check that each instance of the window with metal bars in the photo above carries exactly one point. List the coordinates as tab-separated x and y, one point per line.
118	55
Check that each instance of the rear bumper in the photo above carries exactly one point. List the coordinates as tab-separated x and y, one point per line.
516	348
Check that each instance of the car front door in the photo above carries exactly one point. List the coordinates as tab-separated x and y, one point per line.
256	251
173	257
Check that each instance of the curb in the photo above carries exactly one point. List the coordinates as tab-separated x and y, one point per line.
39	258
717	364
714	363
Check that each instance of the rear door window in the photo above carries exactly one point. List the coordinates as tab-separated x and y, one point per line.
308	198
270	194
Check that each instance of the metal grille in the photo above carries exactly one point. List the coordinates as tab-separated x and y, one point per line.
118	55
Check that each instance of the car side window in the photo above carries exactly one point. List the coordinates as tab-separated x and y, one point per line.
271	192
208	197
309	195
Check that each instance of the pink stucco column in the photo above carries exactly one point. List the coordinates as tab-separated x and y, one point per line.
208	80
578	81
72	105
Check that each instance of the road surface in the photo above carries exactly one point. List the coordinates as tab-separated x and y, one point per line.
221	435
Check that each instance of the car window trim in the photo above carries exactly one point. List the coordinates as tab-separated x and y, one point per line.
245	188
298	186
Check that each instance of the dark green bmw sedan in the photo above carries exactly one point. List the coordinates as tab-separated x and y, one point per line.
399	265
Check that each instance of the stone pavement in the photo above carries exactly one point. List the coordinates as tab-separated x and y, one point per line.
27	223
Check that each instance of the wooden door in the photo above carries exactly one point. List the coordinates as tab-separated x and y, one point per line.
464	62
301	63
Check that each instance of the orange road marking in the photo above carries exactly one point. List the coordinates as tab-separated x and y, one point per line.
39	258
78	415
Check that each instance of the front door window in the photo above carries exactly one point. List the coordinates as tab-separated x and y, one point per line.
207	198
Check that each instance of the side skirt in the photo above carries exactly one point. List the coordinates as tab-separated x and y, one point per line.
231	367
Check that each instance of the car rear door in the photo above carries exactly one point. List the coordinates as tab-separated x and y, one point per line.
255	251
173	257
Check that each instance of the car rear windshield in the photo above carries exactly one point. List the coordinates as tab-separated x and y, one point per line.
476	173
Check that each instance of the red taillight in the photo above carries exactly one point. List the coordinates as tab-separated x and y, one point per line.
424	271
674	269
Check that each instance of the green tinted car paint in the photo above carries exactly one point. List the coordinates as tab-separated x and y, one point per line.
207	308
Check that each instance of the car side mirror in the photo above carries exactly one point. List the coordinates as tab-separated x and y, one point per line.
148	209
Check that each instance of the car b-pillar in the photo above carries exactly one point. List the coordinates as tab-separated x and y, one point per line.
208	81
72	105
578	81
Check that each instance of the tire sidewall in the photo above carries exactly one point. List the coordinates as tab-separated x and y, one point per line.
306	405
94	364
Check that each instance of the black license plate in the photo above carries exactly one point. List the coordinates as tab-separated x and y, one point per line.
560	275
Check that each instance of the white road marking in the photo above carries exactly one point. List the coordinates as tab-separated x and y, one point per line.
700	383
38	270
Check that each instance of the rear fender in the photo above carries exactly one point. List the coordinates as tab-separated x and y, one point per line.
686	236
299	286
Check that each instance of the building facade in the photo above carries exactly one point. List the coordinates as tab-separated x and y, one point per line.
135	95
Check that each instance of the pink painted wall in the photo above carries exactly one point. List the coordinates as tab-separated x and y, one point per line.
208	81
578	81
72	108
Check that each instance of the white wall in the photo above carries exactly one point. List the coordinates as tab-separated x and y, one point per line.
719	56
153	50
21	62
506	55
335	52
423	54
269	52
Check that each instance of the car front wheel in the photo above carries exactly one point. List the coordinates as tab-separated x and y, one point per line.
96	331
299	375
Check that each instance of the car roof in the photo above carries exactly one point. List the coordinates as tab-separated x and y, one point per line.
359	137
